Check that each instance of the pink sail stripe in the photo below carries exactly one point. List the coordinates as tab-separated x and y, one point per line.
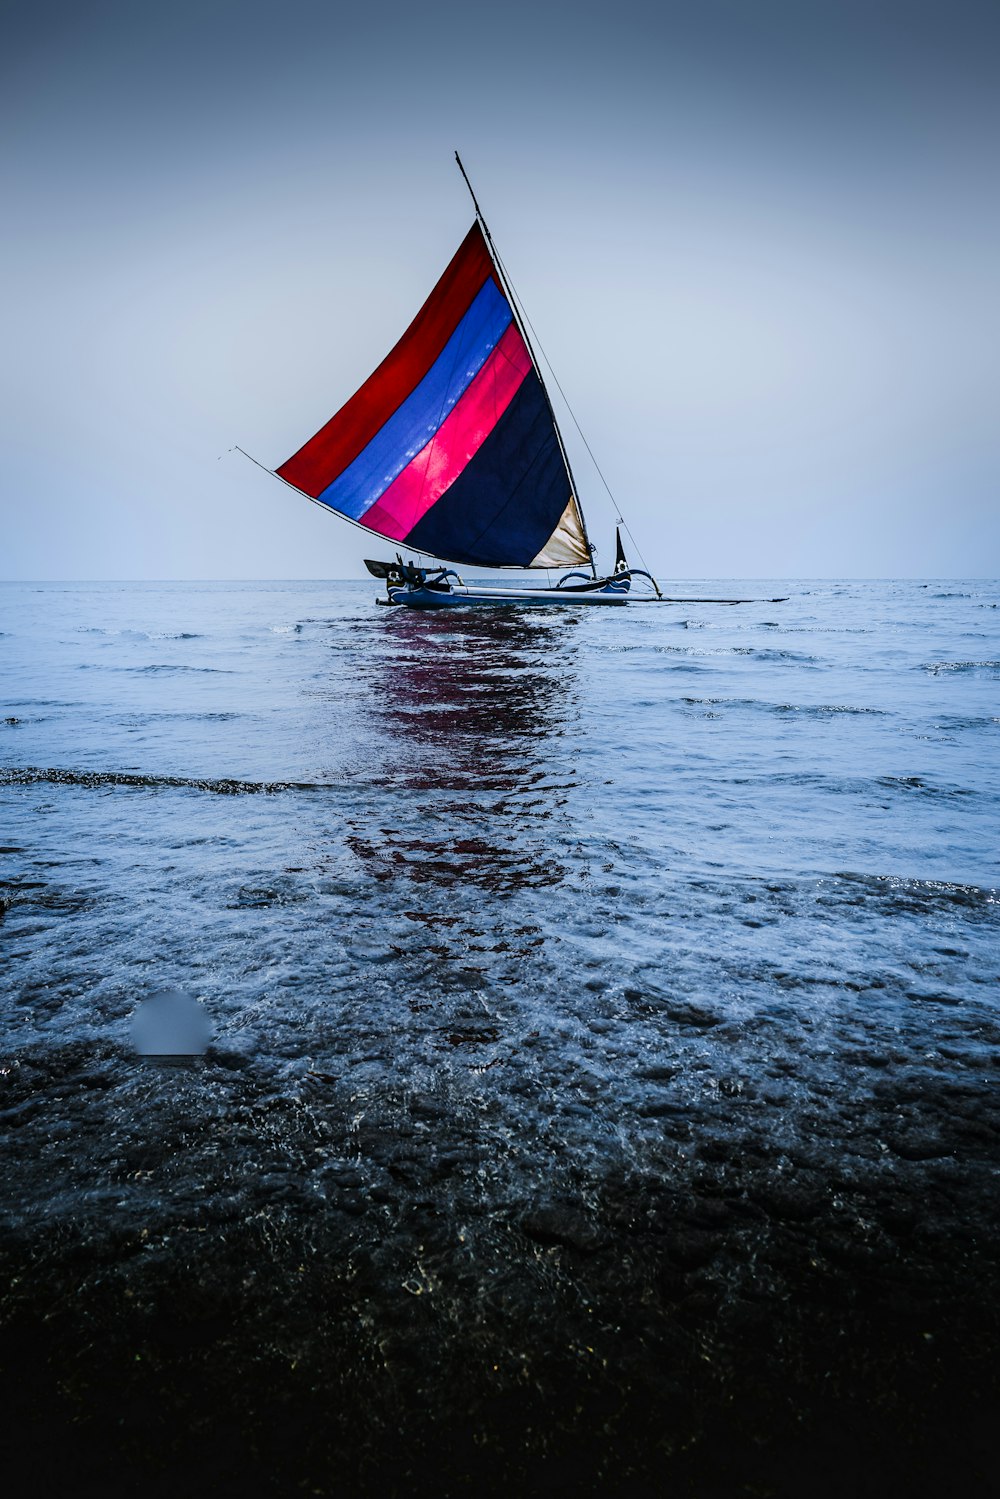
456	442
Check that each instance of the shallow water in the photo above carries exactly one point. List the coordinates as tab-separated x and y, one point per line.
600	1002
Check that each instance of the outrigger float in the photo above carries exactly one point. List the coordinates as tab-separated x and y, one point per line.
451	449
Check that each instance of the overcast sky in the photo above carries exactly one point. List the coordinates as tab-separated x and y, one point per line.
760	243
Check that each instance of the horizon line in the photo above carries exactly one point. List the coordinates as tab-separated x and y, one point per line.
692	578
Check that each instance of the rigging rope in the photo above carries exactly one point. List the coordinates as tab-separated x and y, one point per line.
617	508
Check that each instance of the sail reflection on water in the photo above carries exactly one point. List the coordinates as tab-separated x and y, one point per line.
474	706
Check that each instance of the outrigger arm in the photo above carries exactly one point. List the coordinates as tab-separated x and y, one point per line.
442	587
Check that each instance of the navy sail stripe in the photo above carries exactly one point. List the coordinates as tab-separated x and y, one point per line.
504	506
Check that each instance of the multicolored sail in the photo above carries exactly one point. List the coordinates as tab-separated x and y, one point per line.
450	447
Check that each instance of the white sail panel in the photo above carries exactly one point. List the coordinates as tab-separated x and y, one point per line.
567	545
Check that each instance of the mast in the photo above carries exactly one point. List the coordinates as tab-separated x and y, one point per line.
509	293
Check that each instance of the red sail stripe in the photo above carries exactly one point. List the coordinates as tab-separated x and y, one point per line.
456	442
325	456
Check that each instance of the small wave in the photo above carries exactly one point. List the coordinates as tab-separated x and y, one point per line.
166	716
157	667
120	634
842	786
755	652
824	710
805	710
841	708
918	785
767	653
37	893
724	702
31	775
215	671
937	668
951	722
39	702
920	897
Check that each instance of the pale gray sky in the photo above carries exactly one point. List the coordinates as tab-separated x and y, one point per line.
761	244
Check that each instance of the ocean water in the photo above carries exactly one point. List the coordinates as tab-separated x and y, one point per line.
604	1004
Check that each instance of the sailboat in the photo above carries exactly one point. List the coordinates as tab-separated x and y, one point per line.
451	450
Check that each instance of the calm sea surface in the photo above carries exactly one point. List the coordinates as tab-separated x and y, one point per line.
520	932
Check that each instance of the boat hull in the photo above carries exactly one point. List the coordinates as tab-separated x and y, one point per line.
463	595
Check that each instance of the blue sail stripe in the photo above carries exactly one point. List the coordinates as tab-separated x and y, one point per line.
414	423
